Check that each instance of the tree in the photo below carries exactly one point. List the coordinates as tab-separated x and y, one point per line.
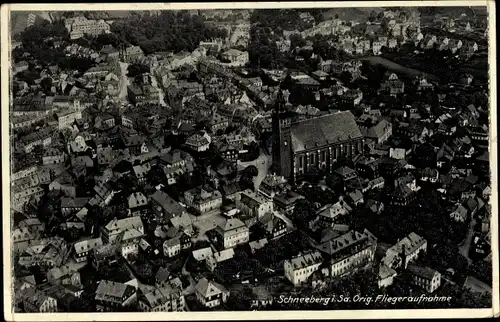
346	77
46	84
136	69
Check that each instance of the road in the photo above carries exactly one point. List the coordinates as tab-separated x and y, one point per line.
154	82
124	81
207	221
263	163
464	248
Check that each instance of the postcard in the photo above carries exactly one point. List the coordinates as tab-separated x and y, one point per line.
278	160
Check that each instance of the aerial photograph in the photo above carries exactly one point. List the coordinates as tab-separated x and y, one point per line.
250	160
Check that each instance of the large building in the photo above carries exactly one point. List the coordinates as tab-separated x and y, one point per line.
304	146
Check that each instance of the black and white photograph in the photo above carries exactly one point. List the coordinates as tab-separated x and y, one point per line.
298	158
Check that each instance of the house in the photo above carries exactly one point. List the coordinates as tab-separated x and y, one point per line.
73	205
356	197
132	54
162	299
65	275
36	301
459	213
162	277
165	207
405	251
429	175
286	201
172	247
299	268
345	173
46	252
329	214
104	256
198	143
218	257
113	296
203	199
476	286
348	252
378	133
424	277
83	248
257	244
52	156
273	225
392	85
385	276
137	203
231	232
112	231
211	294
272	185
236	57
254	205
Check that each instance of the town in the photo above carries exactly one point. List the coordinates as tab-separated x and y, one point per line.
222	160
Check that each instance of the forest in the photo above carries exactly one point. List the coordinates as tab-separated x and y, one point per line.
167	31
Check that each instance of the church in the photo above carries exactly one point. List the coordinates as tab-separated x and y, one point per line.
302	146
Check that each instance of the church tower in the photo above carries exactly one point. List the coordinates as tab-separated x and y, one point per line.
282	149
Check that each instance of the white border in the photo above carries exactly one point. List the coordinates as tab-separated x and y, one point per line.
254	315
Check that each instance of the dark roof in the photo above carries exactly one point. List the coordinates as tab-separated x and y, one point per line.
324	130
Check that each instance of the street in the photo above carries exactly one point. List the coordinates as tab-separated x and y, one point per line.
124	81
464	248
263	163
154	83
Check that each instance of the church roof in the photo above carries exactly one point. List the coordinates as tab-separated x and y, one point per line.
325	130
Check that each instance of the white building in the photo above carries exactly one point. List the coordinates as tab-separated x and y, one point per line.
298	269
232	232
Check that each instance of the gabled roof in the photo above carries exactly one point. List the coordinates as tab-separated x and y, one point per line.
207	288
324	130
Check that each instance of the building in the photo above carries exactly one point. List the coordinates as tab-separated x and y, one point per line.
172	247
80	26
66	119
137	203
312	144
349	252
253	204
203	199
232	232
273	225
112	231
424	277
405	251
272	185
65	275
459	214
392	85
36	301
113	296
299	268
162	299
73	205
42	137
236	57
329	215
211	294
165	207
52	156
198	143
83	248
